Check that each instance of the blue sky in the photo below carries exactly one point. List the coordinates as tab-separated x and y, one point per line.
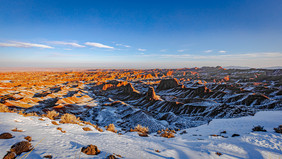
140	34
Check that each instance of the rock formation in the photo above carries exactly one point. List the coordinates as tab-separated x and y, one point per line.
151	95
167	84
129	89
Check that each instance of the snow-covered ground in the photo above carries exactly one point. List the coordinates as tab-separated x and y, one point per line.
197	143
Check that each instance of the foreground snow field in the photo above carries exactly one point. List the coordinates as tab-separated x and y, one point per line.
196	143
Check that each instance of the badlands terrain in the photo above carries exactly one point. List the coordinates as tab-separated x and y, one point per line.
153	113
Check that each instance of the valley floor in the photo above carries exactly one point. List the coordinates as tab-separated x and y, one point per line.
196	143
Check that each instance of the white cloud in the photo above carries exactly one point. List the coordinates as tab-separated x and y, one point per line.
123	45
222	51
163	50
67	49
99	45
208	51
66	43
24	45
180	50
141	49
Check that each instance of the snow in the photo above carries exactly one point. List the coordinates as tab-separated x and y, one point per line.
5	81
197	143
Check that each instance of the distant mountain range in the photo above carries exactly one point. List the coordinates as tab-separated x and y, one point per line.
245	67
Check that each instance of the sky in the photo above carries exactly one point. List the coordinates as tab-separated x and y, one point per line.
140	33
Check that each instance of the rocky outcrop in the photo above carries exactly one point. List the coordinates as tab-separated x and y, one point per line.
201	91
176	108
129	89
167	84
252	99
128	92
227	111
151	95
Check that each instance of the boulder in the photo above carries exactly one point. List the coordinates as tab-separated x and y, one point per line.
20	147
90	150
6	136
278	129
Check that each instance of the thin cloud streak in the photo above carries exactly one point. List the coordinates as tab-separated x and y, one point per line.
208	51
141	49
123	45
222	51
24	45
66	43
99	45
